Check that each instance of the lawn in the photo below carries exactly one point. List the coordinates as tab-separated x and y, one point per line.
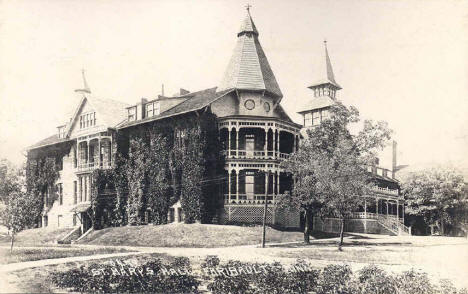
187	235
20	254
35	237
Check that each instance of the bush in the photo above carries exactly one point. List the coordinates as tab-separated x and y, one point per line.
123	277
411	282
372	279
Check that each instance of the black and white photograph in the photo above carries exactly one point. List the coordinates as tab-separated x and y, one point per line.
234	147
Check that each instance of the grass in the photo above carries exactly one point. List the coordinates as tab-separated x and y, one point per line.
29	254
184	235
35	237
37	280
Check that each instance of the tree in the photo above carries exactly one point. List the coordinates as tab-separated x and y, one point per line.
436	194
9	179
330	166
18	213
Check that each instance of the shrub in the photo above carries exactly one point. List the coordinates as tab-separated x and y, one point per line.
123	277
411	282
375	280
335	279
302	278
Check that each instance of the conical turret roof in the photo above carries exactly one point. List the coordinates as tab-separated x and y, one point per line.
248	68
328	77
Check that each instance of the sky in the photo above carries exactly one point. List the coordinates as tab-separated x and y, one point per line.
405	62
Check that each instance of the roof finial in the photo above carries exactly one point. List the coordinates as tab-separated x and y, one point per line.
248	8
86	88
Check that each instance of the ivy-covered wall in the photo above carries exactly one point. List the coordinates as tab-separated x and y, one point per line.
158	164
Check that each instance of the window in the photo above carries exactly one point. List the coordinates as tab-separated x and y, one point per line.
325	114
152	109
132	114
308	119
87	120
316	118
60	191
75	192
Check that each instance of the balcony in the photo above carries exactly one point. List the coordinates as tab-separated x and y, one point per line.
90	166
255	154
387	191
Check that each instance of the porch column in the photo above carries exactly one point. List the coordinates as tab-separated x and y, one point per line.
294	144
279	142
229	144
403	212
278	183
398	210
266	142
377	206
365	208
273	186
386	201
88	159
266	185
100	153
237	185
274	143
237	139
229	185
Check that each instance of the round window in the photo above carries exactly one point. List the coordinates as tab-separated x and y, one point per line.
266	106
249	104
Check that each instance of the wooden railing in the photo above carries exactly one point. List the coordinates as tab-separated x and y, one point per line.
386	190
255	154
245	199
90	166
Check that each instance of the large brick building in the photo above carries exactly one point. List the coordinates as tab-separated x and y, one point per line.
255	132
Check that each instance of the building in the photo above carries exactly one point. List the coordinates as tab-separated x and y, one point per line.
383	212
255	135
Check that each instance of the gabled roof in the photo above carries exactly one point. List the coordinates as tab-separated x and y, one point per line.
111	112
196	101
248	68
328	77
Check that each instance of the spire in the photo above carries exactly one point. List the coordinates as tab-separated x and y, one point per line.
248	68
327	72
85	88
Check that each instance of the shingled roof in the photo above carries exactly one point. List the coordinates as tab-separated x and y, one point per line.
196	100
327	71
54	139
248	68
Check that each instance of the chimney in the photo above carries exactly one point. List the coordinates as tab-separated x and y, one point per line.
141	108
162	89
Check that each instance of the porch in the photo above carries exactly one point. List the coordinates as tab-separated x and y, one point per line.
258	139
94	151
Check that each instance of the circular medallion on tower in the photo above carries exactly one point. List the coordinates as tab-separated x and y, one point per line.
249	104
266	106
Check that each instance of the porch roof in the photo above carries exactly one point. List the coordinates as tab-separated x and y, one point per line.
82	207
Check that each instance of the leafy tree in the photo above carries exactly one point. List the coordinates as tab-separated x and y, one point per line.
438	195
330	166
19	213
9	179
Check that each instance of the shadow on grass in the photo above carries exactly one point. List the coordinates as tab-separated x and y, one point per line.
323	239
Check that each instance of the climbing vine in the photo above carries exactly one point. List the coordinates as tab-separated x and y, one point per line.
41	174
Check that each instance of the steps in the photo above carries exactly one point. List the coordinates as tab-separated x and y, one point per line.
394	226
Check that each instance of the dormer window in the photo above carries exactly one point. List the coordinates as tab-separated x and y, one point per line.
152	109
87	120
132	113
61	132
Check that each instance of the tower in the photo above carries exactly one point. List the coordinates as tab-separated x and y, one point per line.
324	94
250	74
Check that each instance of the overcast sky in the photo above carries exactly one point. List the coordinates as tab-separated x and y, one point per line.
405	62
